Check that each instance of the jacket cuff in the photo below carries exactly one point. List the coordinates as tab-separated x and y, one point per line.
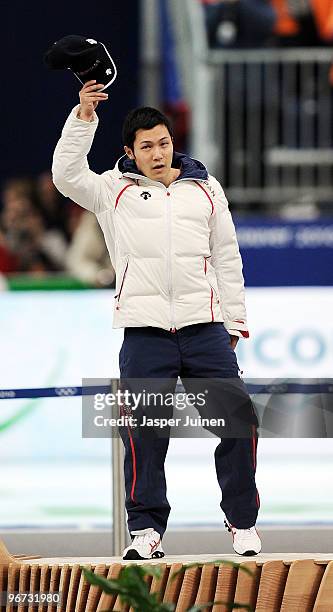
236	328
74	119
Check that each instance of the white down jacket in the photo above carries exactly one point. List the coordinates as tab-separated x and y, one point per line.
174	249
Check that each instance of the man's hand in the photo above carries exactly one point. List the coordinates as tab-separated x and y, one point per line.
90	96
233	341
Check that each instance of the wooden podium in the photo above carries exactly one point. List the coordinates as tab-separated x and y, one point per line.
290	583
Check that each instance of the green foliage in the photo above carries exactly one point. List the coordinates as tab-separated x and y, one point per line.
134	590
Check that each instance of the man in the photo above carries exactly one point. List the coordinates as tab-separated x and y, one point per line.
179	276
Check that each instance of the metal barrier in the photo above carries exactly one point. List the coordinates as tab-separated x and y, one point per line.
273	124
261	119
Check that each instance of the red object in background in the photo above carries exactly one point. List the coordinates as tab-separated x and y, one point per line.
8	261
179	115
330	76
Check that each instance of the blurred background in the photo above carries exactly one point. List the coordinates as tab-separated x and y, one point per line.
248	85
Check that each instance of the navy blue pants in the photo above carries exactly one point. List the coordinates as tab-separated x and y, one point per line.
196	351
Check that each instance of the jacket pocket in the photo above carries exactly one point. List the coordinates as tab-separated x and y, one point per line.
123	278
210	284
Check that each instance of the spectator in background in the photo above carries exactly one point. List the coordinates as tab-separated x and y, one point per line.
16	188
59	213
87	257
56	212
8	261
25	236
36	226
239	24
304	23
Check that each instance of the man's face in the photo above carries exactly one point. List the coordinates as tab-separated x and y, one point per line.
153	152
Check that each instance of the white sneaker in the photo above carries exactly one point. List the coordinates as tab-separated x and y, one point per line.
146	545
245	541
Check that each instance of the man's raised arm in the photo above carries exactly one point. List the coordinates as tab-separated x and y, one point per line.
70	169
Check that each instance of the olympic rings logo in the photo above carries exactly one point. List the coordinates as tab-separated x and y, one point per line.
66	391
9	394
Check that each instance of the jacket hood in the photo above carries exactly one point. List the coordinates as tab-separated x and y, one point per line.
189	168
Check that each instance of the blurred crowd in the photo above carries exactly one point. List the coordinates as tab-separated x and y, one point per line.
41	232
237	24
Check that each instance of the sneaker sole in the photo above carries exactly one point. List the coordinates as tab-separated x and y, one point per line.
133	555
248	553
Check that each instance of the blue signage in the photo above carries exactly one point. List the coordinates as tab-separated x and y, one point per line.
279	253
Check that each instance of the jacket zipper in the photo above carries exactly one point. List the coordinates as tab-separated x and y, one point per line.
121	287
172	306
172	309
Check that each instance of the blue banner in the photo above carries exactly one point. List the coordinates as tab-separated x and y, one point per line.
278	253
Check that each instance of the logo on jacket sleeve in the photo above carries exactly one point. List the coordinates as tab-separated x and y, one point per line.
145	195
209	187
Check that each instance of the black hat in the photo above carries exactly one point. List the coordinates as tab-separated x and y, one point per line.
86	57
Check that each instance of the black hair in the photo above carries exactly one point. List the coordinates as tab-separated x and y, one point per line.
143	118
